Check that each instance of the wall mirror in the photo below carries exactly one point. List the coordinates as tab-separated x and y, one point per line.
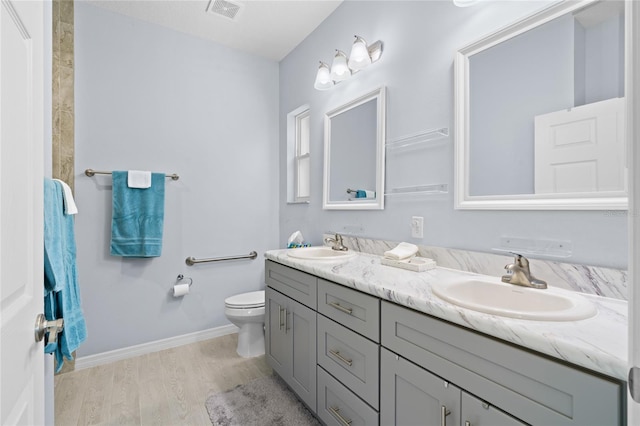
354	137
540	112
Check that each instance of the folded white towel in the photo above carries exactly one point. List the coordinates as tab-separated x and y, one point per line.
138	179
69	203
370	194
402	251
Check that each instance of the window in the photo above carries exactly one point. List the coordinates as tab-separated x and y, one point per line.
299	161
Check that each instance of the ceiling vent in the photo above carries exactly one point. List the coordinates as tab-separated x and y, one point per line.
224	8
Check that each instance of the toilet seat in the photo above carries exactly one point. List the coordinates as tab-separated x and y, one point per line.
254	299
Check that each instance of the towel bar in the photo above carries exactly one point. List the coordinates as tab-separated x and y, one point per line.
91	173
192	261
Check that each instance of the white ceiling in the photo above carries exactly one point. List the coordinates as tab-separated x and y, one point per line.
266	28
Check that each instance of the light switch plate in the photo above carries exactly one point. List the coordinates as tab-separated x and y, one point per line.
417	226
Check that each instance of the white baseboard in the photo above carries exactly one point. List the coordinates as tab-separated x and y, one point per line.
149	347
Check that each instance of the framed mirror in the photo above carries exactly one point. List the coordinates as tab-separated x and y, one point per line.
540	112
354	138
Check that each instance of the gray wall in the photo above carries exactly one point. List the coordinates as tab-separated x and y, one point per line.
420	39
149	98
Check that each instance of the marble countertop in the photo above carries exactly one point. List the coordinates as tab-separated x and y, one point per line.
598	343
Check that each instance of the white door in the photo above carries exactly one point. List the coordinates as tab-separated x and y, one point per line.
632	83
582	149
21	217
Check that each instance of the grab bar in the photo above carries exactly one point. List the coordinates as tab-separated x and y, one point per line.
192	261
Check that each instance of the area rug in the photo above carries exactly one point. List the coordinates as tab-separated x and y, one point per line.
264	401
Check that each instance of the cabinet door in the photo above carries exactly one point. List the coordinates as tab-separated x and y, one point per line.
300	326
410	395
478	413
278	347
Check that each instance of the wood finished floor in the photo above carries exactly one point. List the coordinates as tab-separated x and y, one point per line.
162	388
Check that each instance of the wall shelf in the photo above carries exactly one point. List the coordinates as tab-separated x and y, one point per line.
405	167
535	247
422	138
440	188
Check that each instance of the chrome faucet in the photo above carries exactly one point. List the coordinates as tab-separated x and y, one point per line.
518	273
337	243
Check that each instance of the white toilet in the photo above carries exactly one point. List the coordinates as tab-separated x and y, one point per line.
246	311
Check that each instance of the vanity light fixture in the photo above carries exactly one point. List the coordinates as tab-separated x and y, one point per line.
361	56
464	3
323	77
339	69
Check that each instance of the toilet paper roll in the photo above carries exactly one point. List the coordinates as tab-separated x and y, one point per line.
180	290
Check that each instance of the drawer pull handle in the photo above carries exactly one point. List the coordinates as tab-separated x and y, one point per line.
336	413
341	308
341	358
280	317
443	415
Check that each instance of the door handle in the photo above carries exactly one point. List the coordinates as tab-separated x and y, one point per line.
634	383
280	317
286	321
42	326
443	415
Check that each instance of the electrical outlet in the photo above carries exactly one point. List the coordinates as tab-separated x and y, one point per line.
417	226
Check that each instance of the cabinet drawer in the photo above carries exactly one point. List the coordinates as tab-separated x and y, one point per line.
350	357
338	406
297	285
531	387
351	308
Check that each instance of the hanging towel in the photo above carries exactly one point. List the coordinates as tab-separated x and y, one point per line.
137	218
69	203
62	294
138	179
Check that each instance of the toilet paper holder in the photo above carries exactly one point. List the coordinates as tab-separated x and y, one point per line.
181	277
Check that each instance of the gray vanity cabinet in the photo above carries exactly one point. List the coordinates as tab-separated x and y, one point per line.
290	331
526	385
357	360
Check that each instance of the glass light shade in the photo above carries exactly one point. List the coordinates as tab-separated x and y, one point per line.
339	69
359	57
323	78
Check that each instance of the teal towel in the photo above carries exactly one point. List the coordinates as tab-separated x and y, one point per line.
62	294
138	217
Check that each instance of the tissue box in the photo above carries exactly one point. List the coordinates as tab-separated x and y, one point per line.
417	264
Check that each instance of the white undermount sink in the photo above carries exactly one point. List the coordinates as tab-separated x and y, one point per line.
490	295
319	253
